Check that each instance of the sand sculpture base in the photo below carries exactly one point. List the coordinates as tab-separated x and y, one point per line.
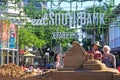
81	66
81	75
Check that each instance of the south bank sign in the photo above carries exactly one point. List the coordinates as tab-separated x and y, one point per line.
70	19
73	20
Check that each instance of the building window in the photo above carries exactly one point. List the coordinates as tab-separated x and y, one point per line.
2	3
119	42
116	42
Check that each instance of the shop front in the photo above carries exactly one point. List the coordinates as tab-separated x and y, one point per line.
116	52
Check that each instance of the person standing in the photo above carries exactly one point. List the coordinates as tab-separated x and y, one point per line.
97	55
108	59
58	63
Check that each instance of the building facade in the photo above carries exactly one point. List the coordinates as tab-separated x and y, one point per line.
13	13
9	19
114	34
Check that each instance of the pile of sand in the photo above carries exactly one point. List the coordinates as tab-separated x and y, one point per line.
7	77
15	71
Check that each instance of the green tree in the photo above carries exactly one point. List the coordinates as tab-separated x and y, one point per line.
26	38
45	32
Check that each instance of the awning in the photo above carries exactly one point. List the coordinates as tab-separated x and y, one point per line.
29	55
116	49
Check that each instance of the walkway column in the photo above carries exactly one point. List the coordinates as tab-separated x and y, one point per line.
1	57
7	56
17	57
13	57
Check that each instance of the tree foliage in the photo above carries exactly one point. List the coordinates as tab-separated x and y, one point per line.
26	38
43	32
97	30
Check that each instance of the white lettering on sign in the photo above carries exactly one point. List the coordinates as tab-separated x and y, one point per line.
70	19
64	35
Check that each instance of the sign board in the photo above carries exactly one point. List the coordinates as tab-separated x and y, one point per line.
64	35
8	34
70	19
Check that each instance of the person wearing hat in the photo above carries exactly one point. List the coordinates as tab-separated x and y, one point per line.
95	51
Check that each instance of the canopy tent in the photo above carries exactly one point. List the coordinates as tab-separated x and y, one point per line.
29	55
29	58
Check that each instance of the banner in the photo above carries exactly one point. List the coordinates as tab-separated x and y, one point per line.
8	34
0	34
12	37
5	33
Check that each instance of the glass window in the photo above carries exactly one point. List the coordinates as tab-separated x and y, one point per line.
2	3
26	0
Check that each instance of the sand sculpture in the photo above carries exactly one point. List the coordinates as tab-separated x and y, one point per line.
77	58
78	65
